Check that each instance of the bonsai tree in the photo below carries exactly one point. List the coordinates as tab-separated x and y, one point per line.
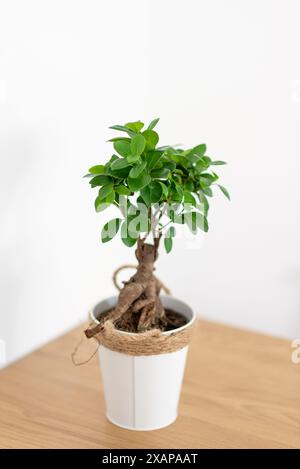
154	188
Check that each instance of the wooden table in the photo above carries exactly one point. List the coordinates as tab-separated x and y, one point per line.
241	390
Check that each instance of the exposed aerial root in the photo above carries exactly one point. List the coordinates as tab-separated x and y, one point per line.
140	295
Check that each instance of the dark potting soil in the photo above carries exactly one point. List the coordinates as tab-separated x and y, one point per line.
172	320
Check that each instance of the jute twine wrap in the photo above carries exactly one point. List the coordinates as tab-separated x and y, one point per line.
152	342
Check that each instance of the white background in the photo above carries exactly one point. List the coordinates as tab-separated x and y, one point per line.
226	73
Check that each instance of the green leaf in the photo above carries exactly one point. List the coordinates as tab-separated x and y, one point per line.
205	224
153	158
191	220
189	199
171	165
202	165
153	123
168	243
138	183
151	139
207	160
193	158
146	195
180	159
171	232
156	191
137	169
137	223
152	193
105	190
161	173
201	221
122	147
207	191
135	126
120	139
218	162
110	229
126	239
111	160
164	189
110	198
133	158
176	193
122	190
100	180
176	217
140	200
207	178
118	164
203	200
196	220
120	170
165	148
101	204
137	145
179	171
98	169
179	189
225	191
122	128
189	185
199	150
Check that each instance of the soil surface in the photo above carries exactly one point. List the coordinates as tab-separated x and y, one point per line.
172	320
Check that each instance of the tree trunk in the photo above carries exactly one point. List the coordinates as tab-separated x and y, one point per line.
139	298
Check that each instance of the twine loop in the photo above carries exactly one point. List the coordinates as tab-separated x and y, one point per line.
152	342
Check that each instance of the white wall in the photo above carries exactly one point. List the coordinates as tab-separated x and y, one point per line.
223	72
68	70
230	76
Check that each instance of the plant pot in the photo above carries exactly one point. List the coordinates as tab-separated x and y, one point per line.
142	392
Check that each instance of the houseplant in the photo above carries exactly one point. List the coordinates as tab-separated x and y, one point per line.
143	335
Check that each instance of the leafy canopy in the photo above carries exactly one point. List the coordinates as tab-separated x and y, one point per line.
155	187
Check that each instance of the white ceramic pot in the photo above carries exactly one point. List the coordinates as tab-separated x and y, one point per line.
142	392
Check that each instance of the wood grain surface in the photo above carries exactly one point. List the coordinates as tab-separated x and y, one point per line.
241	390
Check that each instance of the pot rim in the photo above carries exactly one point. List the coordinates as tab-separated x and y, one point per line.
114	297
